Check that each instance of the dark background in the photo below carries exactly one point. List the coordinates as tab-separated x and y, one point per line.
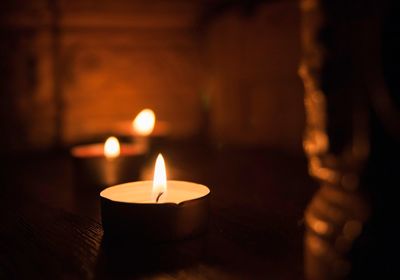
223	74
70	70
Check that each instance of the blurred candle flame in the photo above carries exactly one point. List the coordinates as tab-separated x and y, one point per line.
160	178
144	122
111	147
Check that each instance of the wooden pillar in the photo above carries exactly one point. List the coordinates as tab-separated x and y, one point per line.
348	139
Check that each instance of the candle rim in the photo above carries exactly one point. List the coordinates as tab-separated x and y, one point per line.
96	150
204	187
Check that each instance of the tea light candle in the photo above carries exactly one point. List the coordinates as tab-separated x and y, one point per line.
102	165
157	210
145	128
143	125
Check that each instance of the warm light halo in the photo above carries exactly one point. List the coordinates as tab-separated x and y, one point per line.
160	178
144	122
111	147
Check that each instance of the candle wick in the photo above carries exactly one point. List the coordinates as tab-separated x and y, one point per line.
158	197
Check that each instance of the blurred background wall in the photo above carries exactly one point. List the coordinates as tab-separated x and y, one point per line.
70	70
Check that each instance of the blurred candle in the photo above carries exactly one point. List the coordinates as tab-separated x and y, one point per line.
142	126
145	129
101	165
144	122
111	148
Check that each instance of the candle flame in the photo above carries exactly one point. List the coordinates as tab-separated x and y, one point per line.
111	147
160	178
144	122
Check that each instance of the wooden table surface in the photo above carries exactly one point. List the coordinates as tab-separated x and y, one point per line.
50	227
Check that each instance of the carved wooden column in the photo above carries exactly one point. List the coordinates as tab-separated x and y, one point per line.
348	140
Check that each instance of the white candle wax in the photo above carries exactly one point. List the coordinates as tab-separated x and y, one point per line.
141	192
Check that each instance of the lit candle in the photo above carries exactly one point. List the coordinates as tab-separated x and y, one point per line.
142	126
157	210
101	165
112	148
144	122
145	128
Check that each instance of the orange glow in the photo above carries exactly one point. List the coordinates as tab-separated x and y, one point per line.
321	227
352	229
111	148
318	225
144	122
159	179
